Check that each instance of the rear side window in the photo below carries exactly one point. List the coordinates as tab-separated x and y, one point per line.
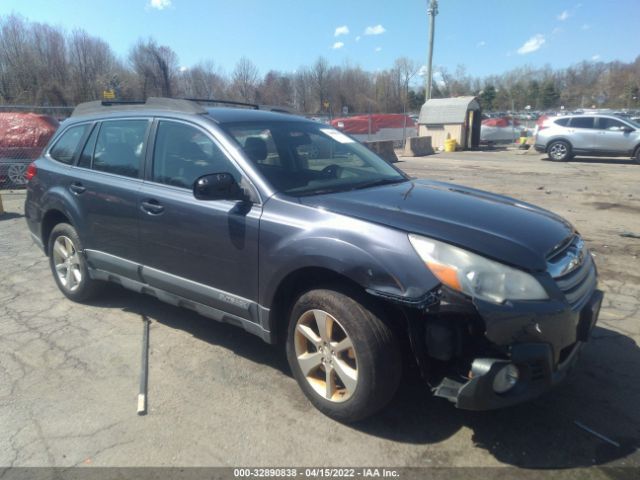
120	147
87	152
563	122
67	144
582	122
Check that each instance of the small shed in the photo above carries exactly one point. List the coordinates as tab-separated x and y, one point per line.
458	118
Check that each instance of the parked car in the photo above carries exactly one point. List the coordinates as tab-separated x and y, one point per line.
347	262
22	137
594	135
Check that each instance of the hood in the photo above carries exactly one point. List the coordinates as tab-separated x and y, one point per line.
497	227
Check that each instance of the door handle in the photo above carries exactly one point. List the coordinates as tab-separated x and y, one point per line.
77	188
152	207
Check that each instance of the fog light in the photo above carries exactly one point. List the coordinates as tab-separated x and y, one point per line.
506	378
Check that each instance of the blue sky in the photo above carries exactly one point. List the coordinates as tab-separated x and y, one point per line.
487	36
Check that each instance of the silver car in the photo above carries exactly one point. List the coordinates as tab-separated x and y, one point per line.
562	138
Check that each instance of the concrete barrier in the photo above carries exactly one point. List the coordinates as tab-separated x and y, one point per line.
418	147
384	149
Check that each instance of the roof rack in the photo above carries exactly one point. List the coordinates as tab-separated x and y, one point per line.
182	105
151	103
255	106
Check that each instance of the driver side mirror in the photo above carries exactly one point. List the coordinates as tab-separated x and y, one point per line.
217	186
626	129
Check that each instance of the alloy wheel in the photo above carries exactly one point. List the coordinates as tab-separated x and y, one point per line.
326	355
558	151
67	263
16	174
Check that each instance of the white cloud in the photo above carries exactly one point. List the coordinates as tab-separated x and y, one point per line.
358	38
343	30
375	30
531	45
596	57
378	49
481	43
585	26
159	4
183	68
556	31
563	16
338	45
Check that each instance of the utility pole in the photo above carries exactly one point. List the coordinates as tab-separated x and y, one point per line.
432	11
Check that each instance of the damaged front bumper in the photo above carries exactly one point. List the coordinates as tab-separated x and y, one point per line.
543	347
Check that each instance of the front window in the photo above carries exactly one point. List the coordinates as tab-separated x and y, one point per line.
304	158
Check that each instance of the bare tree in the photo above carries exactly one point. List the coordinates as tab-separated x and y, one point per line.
320	79
245	80
156	66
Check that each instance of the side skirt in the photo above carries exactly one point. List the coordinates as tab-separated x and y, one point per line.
172	299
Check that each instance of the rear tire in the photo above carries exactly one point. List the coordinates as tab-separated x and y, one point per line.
352	366
559	151
69	265
636	157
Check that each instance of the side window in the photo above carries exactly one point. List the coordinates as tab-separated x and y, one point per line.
183	153
259	146
582	122
67	144
562	122
87	152
610	124
119	147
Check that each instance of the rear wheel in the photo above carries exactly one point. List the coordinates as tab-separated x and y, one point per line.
343	355
636	157
559	151
68	264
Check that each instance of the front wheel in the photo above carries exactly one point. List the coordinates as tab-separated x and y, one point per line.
343	355
559	151
68	264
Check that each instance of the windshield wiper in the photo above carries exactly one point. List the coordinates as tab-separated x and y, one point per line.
379	182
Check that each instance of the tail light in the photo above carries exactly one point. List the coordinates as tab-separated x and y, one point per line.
31	171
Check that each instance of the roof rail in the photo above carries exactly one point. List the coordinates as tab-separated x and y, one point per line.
151	103
255	106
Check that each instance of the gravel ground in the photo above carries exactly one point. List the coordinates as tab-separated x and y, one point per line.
220	397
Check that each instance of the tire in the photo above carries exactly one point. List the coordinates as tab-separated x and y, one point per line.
69	265
636	157
559	151
359	349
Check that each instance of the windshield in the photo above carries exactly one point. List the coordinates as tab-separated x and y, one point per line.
305	158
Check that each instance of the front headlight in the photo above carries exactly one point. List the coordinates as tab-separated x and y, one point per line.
474	275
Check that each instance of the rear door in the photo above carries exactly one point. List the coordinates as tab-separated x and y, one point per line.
613	138
206	251
106	184
583	134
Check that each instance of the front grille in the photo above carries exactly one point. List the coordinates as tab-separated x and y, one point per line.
577	281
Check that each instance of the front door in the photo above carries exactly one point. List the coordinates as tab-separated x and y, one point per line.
612	137
206	251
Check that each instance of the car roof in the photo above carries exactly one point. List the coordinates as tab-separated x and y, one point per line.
180	107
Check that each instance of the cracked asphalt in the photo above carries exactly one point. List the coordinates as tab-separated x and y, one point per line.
220	397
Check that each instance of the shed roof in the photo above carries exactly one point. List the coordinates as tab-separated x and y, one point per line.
447	110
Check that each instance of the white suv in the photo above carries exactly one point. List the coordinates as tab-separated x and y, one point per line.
596	135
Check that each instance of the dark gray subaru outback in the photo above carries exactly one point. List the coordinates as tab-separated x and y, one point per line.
302	236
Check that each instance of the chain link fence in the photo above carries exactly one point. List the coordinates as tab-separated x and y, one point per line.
24	132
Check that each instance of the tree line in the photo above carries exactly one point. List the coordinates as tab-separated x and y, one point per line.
44	65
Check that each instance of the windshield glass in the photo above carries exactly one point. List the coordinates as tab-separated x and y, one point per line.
305	158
